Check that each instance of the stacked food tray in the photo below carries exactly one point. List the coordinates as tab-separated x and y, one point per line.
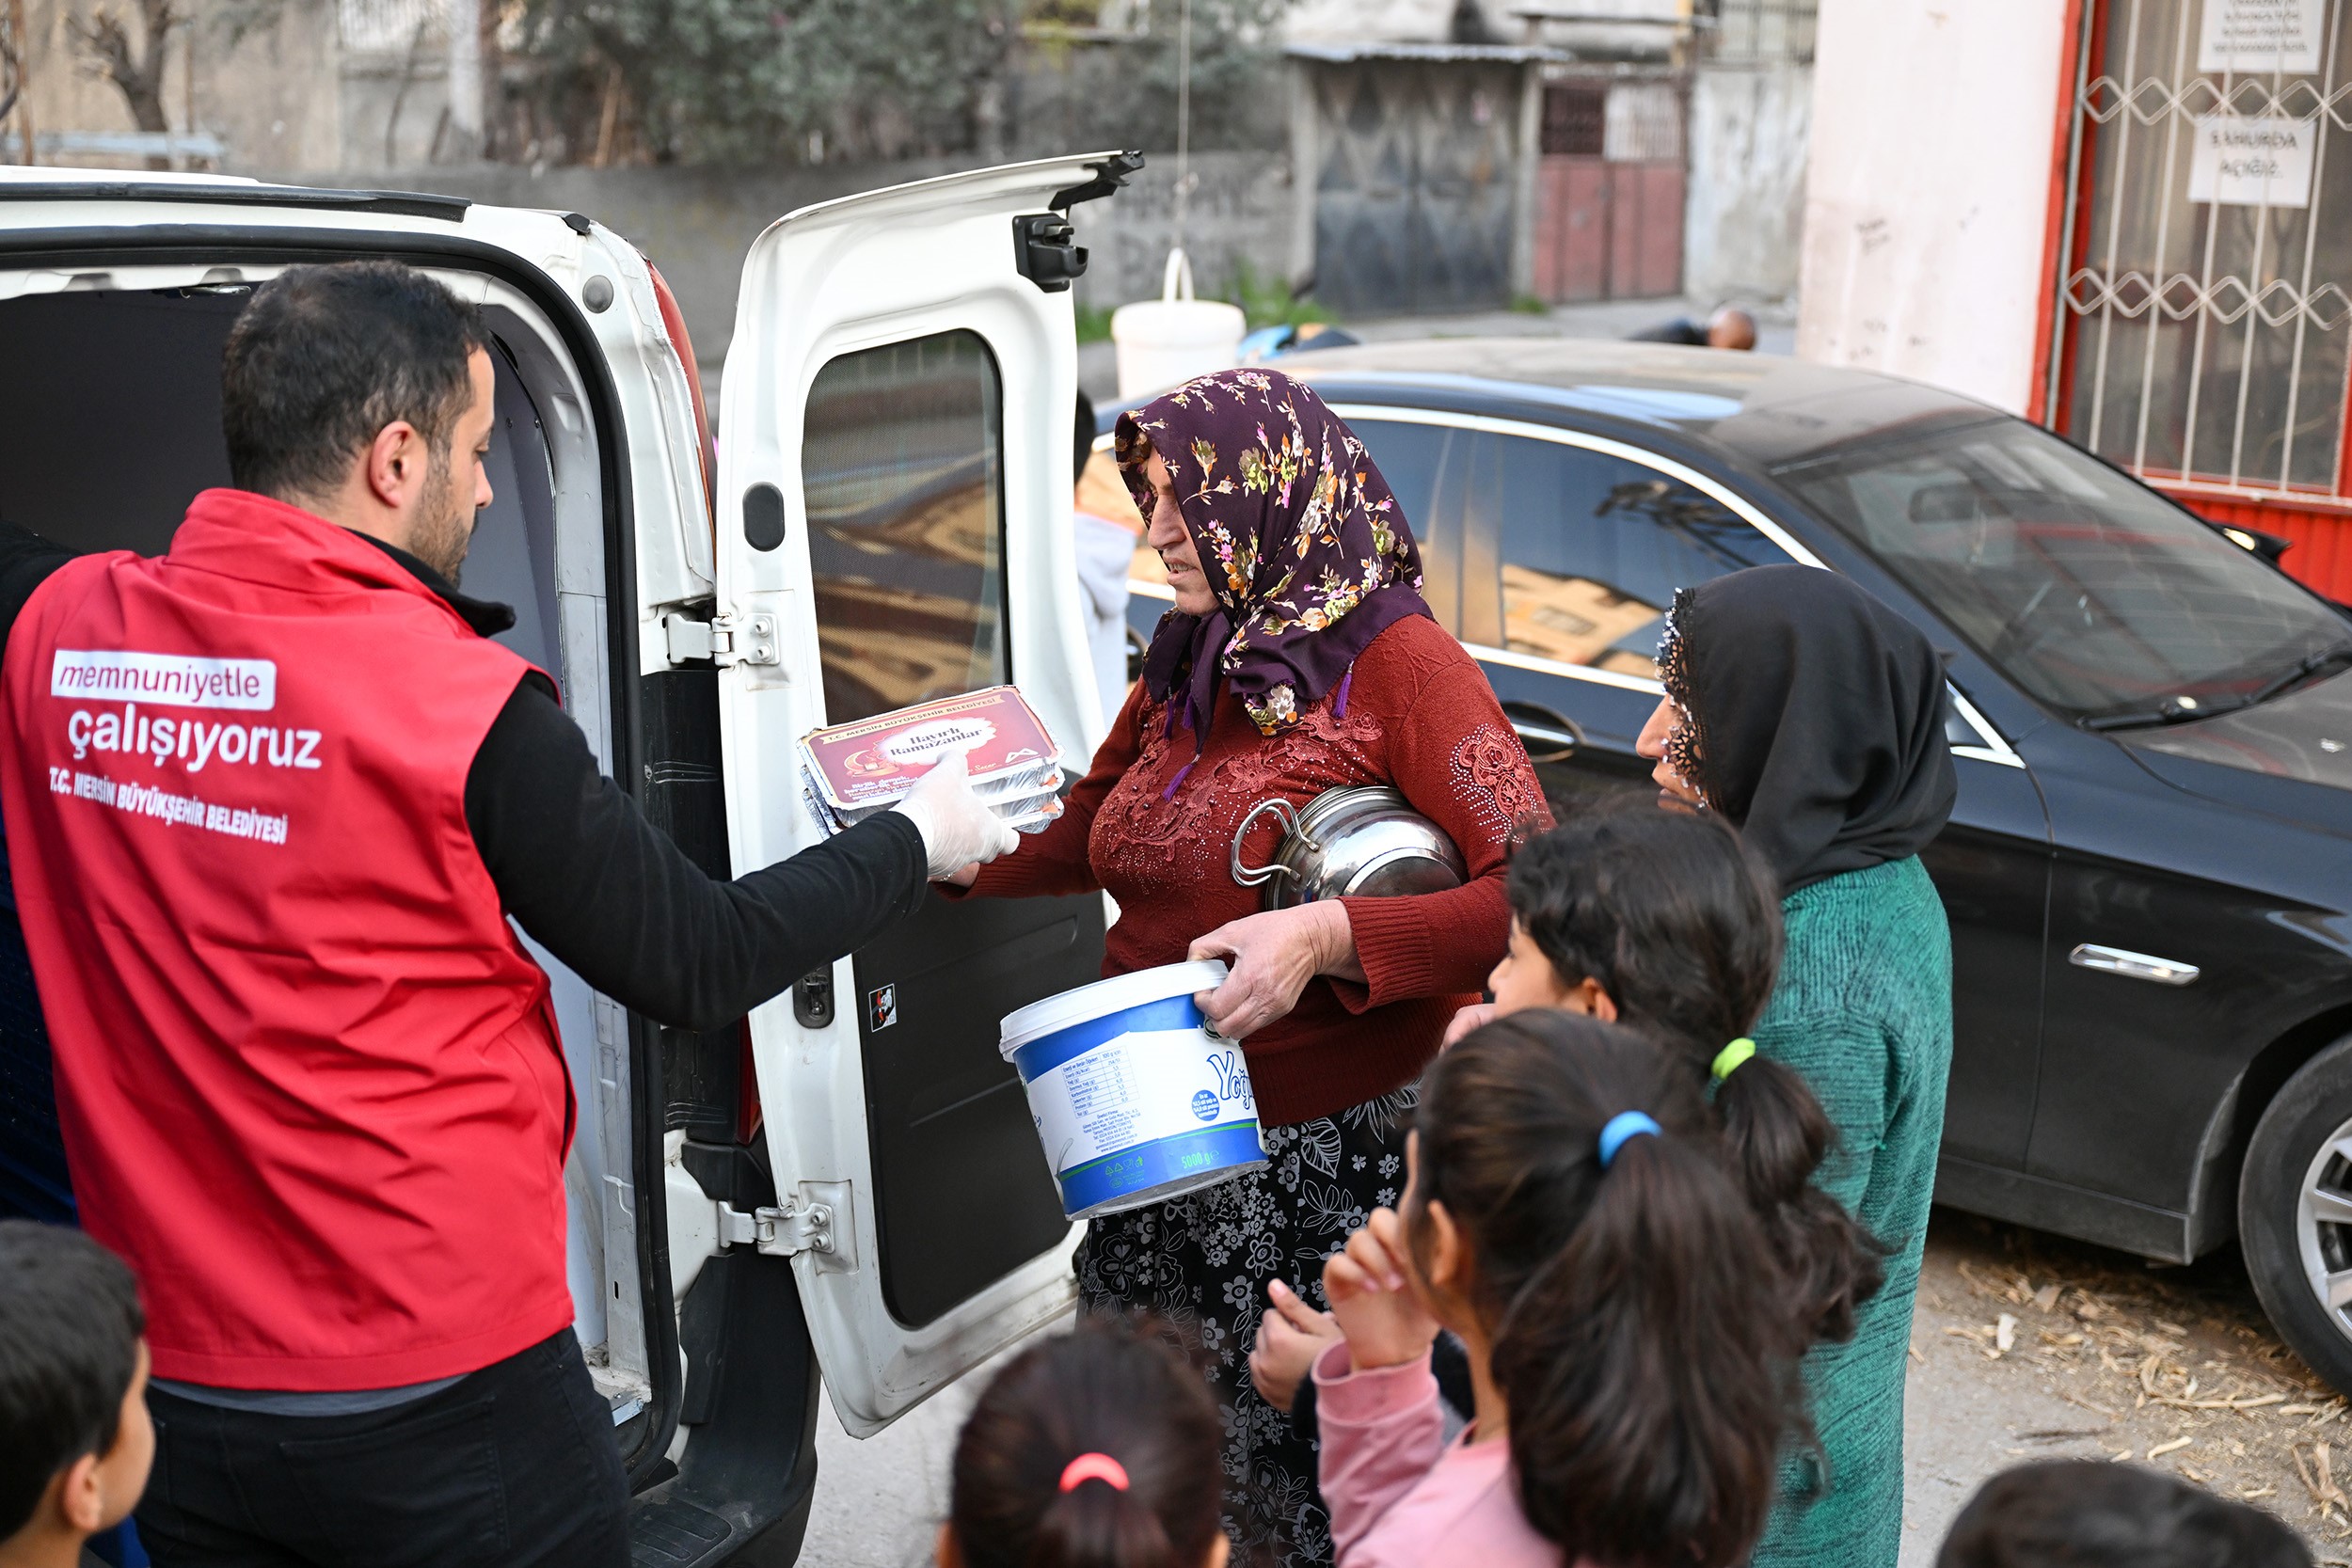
851	771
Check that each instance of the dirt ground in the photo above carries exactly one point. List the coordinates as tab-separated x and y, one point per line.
2027	1346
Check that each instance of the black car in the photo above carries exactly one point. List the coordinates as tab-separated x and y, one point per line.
2149	873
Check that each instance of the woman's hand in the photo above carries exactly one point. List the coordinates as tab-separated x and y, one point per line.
1272	957
1370	1287
1470	1018
1290	1337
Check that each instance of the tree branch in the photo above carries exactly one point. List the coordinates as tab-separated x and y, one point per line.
137	73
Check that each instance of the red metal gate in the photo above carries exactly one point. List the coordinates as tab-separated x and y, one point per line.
1609	227
2201	313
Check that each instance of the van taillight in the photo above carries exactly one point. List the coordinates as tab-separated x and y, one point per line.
747	1109
681	345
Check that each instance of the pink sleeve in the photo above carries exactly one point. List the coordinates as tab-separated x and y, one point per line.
1381	1431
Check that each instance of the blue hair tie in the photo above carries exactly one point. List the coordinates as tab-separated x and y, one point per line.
1622	1127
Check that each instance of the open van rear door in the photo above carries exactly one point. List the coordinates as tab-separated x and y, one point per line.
894	524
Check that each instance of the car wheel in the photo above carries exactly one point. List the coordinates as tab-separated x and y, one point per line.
2295	1212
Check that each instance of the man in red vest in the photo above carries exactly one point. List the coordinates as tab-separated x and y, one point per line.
270	800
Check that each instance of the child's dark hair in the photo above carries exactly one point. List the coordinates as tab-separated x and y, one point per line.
1644	1338
1676	918
2096	1513
70	1327
1114	1388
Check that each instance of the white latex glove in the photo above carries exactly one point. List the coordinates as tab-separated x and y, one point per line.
958	830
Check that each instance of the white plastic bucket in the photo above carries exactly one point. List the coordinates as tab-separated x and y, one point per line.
1165	341
1134	1100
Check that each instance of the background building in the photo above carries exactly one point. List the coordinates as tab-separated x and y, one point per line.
2128	219
1670	136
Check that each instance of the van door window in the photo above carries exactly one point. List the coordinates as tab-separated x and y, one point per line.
903	469
902	465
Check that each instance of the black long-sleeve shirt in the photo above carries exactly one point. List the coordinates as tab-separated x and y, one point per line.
580	869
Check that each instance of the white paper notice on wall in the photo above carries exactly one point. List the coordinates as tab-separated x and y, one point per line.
2258	38
2252	163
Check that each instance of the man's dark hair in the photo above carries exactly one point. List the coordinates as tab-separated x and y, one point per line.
322	358
70	1327
2096	1513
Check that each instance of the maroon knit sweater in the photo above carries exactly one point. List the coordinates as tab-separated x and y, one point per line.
1417	715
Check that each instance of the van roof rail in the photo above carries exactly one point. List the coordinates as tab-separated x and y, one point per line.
415	204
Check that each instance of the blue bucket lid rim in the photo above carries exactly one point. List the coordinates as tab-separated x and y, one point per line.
1137	987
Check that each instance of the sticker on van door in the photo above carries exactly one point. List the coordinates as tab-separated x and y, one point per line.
882	1007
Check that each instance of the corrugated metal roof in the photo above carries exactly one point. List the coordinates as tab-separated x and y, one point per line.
1489	53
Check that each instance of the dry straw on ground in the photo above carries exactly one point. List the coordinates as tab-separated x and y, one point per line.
2174	1368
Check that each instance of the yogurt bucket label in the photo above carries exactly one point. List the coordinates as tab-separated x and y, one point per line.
1139	1105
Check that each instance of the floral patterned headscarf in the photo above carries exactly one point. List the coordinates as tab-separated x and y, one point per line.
1301	541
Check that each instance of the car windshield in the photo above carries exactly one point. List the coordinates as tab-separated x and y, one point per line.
2093	592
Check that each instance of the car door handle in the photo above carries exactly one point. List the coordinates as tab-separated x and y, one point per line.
2133	966
1536	725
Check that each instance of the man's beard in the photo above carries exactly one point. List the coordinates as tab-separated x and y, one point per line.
445	525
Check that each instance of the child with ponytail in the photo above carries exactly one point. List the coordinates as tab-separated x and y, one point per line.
1096	1448
1632	1342
1666	921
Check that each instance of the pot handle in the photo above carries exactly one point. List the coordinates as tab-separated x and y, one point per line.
1255	876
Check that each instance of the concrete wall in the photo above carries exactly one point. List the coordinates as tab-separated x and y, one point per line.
697	223
392	110
1928	190
1239	216
1744	218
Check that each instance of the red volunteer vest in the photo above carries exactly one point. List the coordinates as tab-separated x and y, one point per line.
309	1079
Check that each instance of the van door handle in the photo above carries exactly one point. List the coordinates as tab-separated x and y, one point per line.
1536	725
812	998
2131	966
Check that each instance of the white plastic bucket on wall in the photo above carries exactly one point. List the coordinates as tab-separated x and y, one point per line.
1134	1100
1167	340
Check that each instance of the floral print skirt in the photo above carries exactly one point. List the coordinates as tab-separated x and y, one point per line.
1201	1263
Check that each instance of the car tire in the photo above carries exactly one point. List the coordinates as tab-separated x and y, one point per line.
2294	1211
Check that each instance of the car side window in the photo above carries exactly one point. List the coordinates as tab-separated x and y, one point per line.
1423	467
1591	547
902	461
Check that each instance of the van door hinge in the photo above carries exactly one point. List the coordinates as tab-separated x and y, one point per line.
723	639
778	1232
816	1221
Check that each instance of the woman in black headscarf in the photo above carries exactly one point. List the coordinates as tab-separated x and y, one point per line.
1812	718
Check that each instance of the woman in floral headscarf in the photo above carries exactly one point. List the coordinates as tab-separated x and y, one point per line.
1299	656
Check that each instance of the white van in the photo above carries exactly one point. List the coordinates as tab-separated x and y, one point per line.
846	1185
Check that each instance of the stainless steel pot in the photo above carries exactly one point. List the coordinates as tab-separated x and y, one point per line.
1360	841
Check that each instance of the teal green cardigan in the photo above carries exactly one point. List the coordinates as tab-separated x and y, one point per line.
1863	1010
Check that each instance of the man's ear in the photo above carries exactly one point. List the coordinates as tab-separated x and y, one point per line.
1220	1551
945	1552
1596	1001
396	464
